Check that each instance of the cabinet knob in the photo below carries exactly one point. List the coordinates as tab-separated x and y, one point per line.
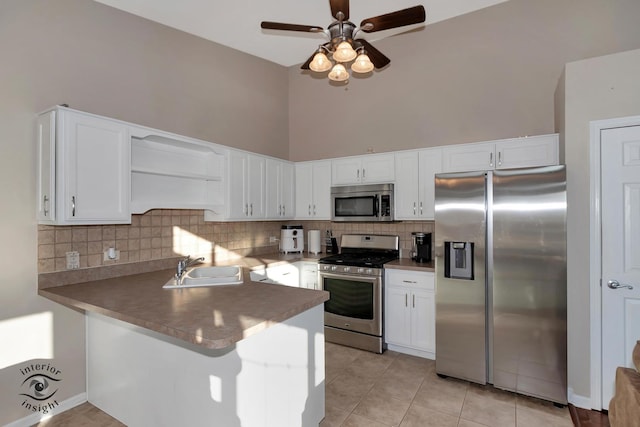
491	159
499	158
45	205
73	205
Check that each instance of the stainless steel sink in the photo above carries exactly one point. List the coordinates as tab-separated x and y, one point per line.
207	276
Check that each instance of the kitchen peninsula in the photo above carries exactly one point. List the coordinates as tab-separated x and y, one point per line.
248	354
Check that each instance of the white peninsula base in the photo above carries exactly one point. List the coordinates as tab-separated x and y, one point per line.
272	378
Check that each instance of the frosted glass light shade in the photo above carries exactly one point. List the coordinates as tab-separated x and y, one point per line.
320	63
338	73
362	64
344	52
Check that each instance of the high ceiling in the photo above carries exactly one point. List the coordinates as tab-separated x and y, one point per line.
236	24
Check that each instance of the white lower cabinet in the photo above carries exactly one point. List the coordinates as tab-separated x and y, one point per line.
299	274
308	274
410	312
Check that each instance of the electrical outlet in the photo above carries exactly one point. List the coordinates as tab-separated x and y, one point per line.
272	239
111	254
73	260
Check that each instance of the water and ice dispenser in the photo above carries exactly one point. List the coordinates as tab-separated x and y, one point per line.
458	260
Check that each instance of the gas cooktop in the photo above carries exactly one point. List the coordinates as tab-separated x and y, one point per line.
365	250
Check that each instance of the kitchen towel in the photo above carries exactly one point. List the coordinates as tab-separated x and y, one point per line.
314	245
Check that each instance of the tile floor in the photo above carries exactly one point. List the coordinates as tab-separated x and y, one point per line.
392	389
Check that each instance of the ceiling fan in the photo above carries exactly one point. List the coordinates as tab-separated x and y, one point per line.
343	47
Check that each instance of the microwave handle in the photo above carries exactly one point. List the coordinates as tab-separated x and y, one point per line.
376	206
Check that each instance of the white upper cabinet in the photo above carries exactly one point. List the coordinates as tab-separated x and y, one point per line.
46	180
503	154
414	188
369	169
532	151
91	169
279	189
313	190
245	188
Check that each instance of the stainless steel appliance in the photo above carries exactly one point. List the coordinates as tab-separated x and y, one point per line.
355	281
501	279
369	203
421	246
291	239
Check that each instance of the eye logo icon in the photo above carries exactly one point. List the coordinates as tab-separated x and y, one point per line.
40	387
40	383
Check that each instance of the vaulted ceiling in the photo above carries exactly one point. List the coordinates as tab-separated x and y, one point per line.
236	24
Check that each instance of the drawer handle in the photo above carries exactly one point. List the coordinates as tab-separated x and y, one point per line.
409	281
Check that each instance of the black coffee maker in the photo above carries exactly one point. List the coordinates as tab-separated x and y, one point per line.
421	246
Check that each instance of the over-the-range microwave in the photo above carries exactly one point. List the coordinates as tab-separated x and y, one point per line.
363	203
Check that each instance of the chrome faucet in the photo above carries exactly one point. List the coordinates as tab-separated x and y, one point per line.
185	263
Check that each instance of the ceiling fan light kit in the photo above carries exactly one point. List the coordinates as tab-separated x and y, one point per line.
342	47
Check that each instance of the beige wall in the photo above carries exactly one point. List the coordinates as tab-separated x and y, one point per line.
594	89
486	75
107	62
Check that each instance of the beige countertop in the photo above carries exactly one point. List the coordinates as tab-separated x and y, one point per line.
408	264
213	317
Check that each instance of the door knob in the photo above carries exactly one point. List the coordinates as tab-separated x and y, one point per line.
614	284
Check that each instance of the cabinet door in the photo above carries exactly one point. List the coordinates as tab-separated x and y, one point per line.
96	170
237	197
423	327
287	190
397	316
346	171
321	205
469	157
378	168
304	189
527	152
46	147
308	274
430	165
273	205
407	184
255	186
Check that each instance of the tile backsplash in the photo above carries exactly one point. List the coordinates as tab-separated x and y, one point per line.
167	233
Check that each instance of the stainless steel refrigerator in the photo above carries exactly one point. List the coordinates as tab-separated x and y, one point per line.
500	246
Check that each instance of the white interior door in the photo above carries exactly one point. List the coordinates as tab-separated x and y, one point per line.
620	207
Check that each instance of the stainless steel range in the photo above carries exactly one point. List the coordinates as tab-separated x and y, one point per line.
354	278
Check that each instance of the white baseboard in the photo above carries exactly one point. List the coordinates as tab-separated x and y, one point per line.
412	351
36	417
578	401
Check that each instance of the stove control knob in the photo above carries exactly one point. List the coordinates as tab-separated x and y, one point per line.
369	271
360	270
347	269
334	268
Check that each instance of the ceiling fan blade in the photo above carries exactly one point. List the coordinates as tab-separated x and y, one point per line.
377	58
340	6
400	18
267	25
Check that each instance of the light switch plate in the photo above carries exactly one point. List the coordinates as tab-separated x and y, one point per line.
73	260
